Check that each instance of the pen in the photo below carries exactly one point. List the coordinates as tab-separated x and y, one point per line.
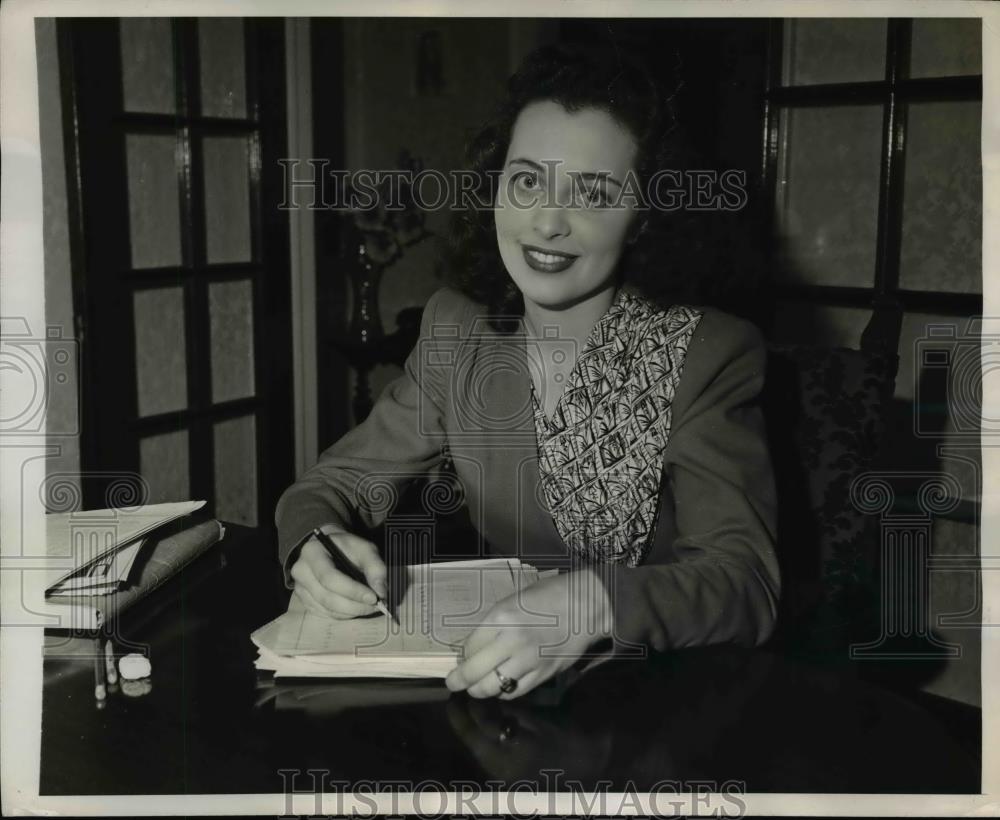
109	662
346	566
100	687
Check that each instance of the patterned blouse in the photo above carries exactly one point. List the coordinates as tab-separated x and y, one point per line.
601	453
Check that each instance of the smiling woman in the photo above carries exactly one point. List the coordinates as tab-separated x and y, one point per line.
605	138
600	420
540	229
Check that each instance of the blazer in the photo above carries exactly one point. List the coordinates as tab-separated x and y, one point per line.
711	574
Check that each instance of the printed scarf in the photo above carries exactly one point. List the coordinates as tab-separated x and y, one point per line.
601	453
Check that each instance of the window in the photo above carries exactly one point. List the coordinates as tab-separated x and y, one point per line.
872	152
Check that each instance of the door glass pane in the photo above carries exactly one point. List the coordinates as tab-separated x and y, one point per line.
227	199
818	50
163	462
942	47
827	199
153	200
236	471
942	199
147	65
223	67
160	351
230	307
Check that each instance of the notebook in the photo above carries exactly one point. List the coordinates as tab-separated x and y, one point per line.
77	540
438	606
102	576
125	555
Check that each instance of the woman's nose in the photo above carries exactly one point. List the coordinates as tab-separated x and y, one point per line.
549	220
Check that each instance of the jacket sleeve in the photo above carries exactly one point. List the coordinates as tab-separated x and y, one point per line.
725	584
356	482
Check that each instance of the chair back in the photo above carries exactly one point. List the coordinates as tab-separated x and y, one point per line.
826	411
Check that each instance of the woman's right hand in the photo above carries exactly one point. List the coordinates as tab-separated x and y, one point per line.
325	590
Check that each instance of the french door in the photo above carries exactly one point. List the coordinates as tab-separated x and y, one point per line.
180	256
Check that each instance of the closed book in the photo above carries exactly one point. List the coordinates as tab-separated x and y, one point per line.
167	551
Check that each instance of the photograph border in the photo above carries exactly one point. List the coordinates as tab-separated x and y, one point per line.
22	295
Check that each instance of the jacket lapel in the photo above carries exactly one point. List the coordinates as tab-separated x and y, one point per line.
518	524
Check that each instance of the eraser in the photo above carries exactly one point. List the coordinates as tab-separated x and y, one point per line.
134	667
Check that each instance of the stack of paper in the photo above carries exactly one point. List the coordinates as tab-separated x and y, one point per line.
438	606
101	561
101	576
102	545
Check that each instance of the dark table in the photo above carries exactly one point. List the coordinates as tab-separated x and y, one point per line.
211	724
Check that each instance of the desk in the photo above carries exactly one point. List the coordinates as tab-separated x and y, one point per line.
718	714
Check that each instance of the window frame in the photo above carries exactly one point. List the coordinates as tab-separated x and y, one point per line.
895	92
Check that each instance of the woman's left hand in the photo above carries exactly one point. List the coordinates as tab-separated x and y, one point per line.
534	634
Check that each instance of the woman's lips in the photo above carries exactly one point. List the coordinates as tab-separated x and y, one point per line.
546	261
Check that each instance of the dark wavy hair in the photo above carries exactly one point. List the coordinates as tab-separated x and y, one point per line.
667	257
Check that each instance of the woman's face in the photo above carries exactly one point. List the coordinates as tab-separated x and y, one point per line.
559	232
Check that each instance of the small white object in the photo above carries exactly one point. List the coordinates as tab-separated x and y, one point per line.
136	688
134	666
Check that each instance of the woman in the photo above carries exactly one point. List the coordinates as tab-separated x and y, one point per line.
612	429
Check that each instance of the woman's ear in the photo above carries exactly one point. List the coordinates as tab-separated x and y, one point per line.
638	228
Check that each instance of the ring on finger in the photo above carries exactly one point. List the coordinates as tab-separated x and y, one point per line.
507	685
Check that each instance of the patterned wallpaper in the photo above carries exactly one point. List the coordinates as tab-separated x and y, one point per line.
819	50
827	202
943	198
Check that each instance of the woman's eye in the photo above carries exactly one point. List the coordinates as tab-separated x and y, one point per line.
526	180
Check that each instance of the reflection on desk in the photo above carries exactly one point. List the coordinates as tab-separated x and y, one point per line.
211	725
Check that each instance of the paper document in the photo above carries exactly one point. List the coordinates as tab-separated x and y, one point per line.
104	575
88	536
440	606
